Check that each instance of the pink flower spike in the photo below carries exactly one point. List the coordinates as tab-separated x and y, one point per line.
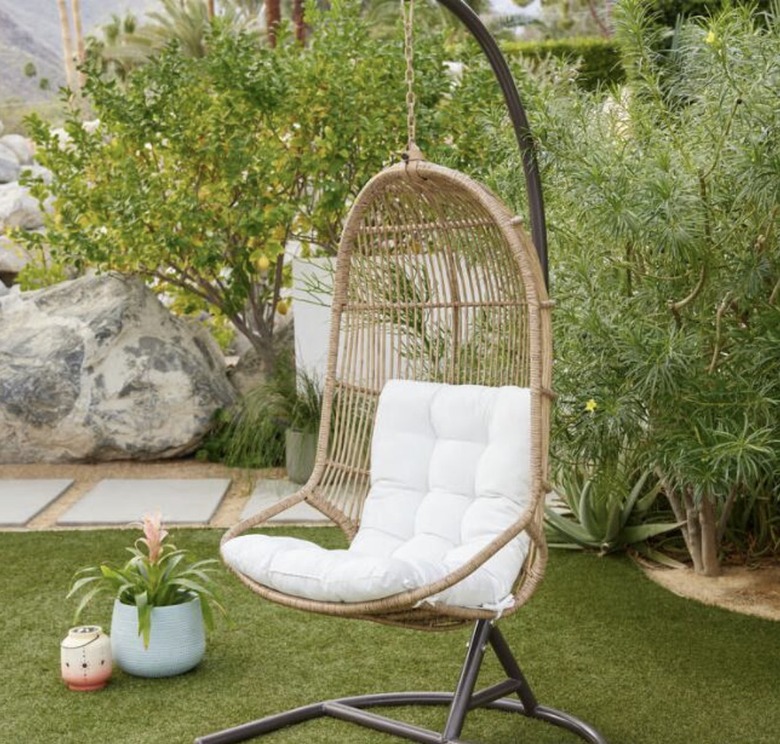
154	535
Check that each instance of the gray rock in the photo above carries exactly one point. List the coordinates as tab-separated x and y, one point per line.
22	147
36	171
9	165
13	258
97	369
8	153
18	208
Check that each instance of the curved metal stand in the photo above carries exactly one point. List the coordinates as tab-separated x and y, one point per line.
525	140
464	699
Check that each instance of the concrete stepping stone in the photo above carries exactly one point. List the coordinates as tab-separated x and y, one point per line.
21	500
123	501
268	492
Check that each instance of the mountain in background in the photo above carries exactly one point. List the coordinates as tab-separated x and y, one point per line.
30	33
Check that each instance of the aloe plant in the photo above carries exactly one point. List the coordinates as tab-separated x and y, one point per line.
593	512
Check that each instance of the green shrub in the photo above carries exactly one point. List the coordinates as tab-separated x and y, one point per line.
607	509
669	11
666	268
252	434
597	59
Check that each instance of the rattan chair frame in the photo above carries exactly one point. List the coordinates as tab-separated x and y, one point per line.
511	293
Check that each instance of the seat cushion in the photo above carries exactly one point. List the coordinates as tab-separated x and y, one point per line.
450	471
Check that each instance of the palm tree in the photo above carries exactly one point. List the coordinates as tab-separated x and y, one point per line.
127	44
298	21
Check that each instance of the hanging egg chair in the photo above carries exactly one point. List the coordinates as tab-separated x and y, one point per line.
432	447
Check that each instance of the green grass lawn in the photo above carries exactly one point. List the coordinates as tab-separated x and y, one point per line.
598	640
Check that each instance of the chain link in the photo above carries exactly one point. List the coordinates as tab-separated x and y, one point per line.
407	9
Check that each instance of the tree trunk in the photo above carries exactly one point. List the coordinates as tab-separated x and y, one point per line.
701	529
67	44
273	15
693	531
708	522
81	50
298	22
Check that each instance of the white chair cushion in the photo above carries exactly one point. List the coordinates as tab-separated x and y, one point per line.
450	471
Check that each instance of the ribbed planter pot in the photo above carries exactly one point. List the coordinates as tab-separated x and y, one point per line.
177	641
300	447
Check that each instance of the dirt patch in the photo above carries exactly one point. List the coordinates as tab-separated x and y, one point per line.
752	591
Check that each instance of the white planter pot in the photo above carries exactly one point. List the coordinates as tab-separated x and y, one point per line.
177	641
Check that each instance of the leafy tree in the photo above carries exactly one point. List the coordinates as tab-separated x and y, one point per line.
203	168
594	17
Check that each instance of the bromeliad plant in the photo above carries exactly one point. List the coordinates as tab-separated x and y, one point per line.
157	575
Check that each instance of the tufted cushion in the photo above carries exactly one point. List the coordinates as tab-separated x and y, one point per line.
450	471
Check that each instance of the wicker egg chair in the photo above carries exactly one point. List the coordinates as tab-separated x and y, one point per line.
432	448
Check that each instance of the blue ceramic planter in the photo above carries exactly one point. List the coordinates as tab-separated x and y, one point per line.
177	642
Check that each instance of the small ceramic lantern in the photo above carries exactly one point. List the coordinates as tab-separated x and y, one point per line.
85	658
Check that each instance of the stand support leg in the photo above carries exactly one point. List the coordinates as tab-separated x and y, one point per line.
496	697
513	671
468	678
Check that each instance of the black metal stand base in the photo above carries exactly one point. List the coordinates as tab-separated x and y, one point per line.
464	699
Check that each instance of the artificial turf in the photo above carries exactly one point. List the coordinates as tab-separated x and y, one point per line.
598	640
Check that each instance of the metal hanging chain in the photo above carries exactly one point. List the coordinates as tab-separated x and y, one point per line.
407	9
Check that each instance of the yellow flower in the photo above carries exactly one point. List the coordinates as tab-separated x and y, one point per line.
591	406
711	38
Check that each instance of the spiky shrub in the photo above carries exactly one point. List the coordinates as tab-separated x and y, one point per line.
606	510
665	207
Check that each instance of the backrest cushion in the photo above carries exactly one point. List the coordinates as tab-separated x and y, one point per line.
450	471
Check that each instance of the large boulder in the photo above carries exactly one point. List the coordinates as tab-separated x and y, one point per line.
97	369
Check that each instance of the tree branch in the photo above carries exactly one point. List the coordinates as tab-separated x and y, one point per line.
675	307
718	321
605	30
725	514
